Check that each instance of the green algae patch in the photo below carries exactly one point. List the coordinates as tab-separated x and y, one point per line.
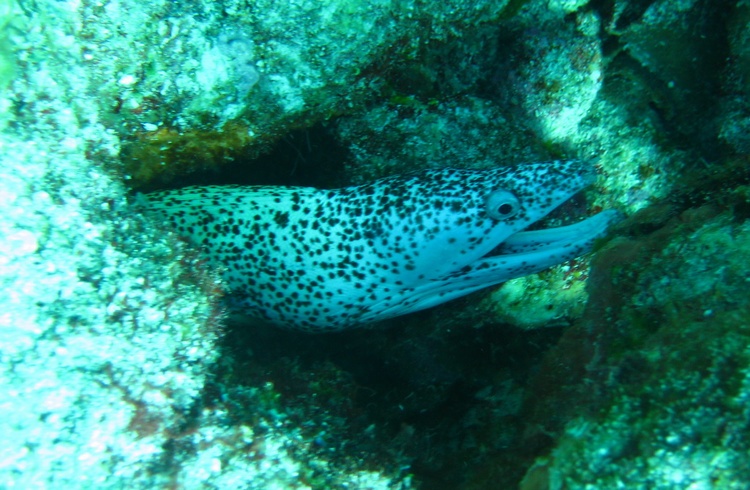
8	14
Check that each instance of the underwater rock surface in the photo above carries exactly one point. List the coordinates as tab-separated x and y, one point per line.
663	352
120	369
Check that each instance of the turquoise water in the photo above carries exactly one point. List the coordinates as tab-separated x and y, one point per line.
626	366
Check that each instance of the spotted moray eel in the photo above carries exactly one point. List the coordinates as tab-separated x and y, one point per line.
328	260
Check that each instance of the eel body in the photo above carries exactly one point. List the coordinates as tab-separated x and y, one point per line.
328	260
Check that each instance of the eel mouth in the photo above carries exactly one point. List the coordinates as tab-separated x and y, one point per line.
579	235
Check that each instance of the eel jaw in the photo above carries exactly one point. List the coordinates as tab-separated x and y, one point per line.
527	252
583	234
522	253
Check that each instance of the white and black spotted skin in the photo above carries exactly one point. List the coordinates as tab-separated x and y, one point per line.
326	260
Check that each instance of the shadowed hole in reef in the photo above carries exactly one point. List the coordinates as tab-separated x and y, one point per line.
310	157
409	389
397	390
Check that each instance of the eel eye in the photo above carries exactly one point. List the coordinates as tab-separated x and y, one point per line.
501	204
